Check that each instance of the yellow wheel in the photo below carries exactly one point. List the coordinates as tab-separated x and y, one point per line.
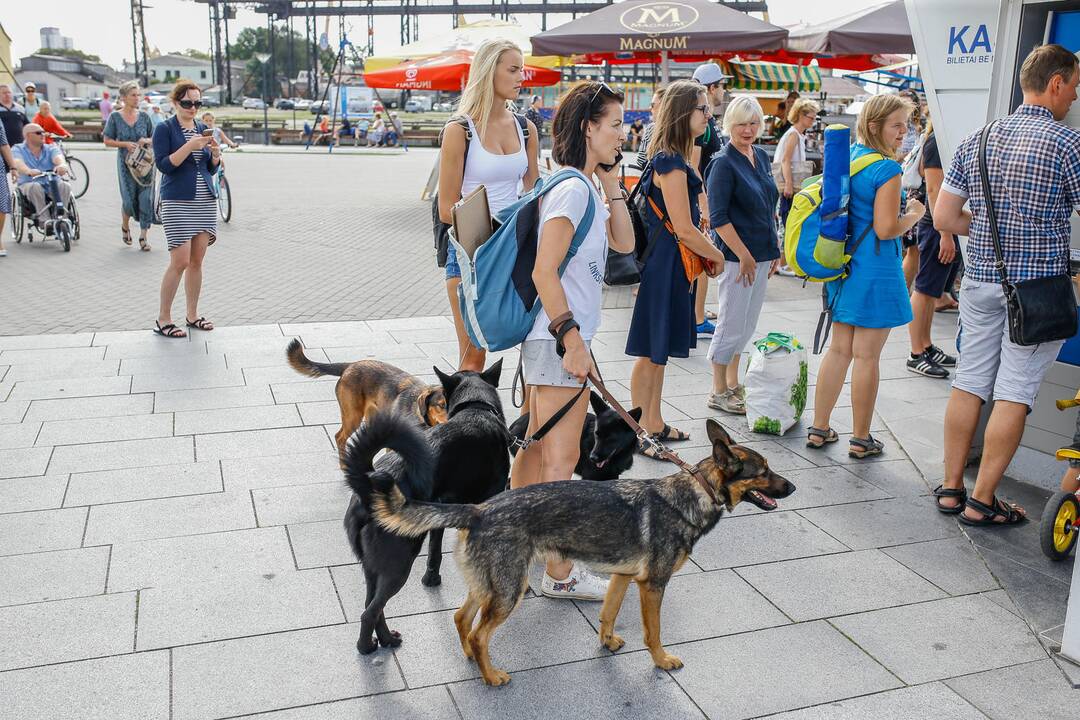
1060	525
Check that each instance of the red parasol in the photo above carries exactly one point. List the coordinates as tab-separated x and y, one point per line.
445	72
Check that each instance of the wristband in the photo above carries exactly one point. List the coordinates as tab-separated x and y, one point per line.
560	347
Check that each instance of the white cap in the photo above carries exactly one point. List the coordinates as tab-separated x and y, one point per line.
29	86
709	73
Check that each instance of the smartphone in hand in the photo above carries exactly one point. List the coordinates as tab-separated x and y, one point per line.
618	161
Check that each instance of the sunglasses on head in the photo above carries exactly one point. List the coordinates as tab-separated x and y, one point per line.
601	87
188	104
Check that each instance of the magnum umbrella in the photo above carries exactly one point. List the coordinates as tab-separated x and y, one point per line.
880	29
444	72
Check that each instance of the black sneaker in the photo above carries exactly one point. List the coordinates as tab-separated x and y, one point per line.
940	357
925	365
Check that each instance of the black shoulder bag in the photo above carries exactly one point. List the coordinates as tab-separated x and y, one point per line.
440	229
626	268
1040	310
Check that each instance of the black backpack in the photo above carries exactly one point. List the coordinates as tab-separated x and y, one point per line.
439	228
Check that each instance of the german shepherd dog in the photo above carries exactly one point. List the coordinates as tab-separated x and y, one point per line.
607	445
463	460
367	386
640	530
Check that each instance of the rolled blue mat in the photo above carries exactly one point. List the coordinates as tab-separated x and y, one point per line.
836	182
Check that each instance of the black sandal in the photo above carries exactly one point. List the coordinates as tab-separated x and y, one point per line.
869	446
827	436
670	433
200	324
998	508
943	492
127	235
168	330
143	244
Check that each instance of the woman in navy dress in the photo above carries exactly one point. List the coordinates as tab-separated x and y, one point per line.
663	324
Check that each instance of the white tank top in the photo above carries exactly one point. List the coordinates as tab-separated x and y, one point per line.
793	135
499	174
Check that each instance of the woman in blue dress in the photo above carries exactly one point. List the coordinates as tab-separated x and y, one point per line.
873	299
663	324
126	129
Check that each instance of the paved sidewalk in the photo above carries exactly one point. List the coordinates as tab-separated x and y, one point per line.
171	547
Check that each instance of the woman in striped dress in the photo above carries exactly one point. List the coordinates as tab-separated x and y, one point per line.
187	159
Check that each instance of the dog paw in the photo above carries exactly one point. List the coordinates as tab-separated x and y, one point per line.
431	579
613	643
366	646
497	678
668	662
393	641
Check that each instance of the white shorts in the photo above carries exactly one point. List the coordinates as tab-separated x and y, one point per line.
990	363
541	365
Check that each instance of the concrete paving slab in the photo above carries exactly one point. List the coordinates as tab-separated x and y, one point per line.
696	606
260	443
27	532
105	429
830	585
943	638
236	605
13	411
432	703
826	667
72	387
932	700
186	380
389	352
122	454
212	398
1035	689
32	493
762	538
168	517
48	355
122	687
24	462
276	372
33	342
198	558
240	356
300	503
541	631
66	630
146	483
301	468
37	577
414	597
321	544
141	337
243	332
898	478
626	686
62	369
827	486
155	347
92	407
163	365
952	565
882	523
326	412
259	417
296	392
283	670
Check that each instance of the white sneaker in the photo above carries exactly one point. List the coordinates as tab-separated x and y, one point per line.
580	584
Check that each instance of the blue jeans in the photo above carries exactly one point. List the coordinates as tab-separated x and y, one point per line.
453	270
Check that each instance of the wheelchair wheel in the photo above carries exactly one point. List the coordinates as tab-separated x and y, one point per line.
73	213
79	178
63	233
224	199
17	218
1060	525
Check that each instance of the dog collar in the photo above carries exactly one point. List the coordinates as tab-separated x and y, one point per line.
468	404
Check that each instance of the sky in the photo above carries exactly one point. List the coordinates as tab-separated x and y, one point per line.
103	27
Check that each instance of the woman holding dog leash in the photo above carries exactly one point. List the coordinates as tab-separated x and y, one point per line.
587	134
664	323
126	129
484	144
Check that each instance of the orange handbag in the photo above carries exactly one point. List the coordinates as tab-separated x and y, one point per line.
693	264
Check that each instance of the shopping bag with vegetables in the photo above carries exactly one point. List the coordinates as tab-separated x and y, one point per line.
775	384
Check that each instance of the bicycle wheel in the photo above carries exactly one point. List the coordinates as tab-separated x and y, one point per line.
79	177
224	200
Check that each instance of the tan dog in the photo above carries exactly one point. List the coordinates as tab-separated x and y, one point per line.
367	386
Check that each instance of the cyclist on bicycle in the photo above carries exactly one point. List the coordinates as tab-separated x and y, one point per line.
33	158
50	124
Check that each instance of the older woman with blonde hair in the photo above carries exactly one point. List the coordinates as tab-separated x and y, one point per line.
742	210
873	298
126	129
484	143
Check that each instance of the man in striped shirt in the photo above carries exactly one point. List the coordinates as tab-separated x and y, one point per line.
1033	167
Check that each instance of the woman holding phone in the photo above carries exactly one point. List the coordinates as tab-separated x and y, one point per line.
499	158
587	134
187	156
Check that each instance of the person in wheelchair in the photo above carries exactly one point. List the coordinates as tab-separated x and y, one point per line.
33	158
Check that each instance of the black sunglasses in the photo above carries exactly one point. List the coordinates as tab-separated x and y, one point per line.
34	132
188	104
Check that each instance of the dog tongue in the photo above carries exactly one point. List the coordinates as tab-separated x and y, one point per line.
764	499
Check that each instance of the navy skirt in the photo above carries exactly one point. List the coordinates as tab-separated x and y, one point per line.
663	323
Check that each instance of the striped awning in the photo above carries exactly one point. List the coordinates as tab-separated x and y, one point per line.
765	76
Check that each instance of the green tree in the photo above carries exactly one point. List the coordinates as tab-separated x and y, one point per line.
255	40
197	54
69	52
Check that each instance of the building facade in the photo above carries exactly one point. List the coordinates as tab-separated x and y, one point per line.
51	39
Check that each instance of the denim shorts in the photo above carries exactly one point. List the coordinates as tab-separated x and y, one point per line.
453	270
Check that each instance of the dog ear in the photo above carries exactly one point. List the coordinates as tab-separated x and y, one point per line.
447	381
726	459
717	433
432	405
636	414
492	374
597	403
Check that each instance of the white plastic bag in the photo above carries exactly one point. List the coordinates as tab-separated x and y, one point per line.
775	384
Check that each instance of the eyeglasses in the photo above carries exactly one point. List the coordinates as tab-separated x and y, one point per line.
705	109
34	132
188	104
599	89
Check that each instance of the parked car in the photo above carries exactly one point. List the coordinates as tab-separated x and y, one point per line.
319	107
94	103
72	102
284	104
413	106
253	104
301	103
210	101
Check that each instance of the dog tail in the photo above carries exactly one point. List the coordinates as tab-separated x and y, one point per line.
305	366
389	430
412	518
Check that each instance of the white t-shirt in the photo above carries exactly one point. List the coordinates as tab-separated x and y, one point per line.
584	277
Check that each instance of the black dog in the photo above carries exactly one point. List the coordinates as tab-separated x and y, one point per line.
463	460
607	442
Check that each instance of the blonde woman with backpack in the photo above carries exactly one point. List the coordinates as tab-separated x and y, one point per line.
484	143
